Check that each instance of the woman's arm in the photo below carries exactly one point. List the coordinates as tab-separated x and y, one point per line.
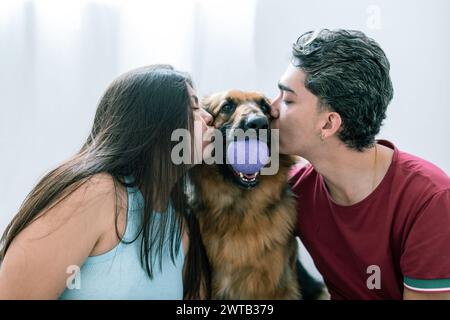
36	263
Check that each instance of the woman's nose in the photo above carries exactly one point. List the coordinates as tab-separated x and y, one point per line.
207	117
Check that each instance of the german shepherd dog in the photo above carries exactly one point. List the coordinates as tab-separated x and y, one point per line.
246	221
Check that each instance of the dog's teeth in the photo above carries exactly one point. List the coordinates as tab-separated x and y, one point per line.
247	179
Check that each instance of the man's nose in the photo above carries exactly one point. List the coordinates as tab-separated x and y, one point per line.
275	109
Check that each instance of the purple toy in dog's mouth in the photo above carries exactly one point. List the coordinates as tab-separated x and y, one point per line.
247	158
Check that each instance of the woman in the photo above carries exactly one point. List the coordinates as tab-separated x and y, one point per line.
112	221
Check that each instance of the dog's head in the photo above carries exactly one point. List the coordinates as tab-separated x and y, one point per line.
233	110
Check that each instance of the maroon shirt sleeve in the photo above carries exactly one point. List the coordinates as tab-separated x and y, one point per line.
426	253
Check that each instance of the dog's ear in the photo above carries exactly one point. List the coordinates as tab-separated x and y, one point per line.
206	102
211	102
265	101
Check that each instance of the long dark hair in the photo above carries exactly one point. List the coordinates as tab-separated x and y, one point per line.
131	136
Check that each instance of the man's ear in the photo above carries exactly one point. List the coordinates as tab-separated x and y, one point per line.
332	124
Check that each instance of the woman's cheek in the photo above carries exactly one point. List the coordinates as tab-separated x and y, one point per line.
207	136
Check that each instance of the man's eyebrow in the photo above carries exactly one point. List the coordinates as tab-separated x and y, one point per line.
284	87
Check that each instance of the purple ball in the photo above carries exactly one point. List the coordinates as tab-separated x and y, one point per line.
247	156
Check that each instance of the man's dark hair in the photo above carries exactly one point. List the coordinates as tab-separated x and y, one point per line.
349	73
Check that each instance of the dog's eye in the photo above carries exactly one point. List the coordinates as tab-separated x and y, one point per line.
264	107
227	108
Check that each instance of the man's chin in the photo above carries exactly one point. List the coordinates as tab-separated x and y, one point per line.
287	151
282	148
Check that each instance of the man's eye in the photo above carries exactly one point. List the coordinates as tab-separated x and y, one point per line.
227	108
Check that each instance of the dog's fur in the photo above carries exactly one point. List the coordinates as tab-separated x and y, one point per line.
248	233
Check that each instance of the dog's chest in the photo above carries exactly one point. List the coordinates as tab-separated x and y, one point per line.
242	237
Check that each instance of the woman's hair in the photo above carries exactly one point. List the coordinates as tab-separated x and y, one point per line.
131	136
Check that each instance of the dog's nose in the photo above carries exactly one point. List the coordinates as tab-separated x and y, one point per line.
256	122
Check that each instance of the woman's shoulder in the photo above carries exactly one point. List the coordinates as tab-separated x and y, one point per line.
92	207
99	183
96	192
62	235
92	201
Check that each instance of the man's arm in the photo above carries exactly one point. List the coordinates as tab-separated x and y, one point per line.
415	295
425	262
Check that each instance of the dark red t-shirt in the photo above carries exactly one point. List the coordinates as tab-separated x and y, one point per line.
402	227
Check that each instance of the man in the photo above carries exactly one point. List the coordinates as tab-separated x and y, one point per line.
375	220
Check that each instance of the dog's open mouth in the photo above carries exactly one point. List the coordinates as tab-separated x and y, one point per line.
247	158
245	177
245	180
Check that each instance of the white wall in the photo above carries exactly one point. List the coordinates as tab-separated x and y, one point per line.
57	57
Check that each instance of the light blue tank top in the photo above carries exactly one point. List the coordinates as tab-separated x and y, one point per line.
118	274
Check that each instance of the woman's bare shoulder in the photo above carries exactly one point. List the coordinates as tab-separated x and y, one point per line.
63	235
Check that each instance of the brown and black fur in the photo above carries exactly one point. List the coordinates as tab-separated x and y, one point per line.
248	233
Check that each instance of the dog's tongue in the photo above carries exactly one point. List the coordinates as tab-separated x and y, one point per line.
247	156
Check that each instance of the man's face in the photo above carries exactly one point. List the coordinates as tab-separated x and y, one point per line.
297	114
